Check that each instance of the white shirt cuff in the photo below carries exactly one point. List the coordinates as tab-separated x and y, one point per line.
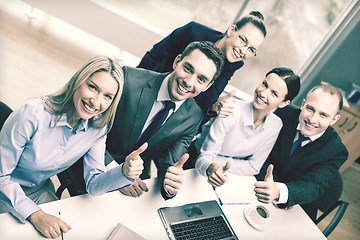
284	193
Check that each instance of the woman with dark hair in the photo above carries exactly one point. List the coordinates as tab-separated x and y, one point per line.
241	142
240	41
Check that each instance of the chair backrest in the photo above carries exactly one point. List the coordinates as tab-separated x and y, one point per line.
329	201
5	111
72	179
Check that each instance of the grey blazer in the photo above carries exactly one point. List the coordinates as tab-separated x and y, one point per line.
170	142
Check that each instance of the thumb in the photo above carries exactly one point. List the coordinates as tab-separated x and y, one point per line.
182	161
140	150
269	173
227	166
229	95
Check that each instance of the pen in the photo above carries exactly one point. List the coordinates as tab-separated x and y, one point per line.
236	203
220	202
62	236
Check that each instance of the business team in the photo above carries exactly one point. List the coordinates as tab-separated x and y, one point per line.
140	115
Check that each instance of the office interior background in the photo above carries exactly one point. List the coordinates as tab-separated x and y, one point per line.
43	43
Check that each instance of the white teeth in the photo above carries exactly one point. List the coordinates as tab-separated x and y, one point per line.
88	108
308	125
260	100
236	53
182	88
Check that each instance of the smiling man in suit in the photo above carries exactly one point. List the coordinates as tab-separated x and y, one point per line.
145	95
307	153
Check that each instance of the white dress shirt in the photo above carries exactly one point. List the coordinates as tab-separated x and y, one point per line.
234	138
163	95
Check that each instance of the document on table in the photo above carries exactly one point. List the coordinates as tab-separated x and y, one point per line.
237	190
122	232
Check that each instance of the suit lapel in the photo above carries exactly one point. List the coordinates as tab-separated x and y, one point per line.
301	155
147	97
171	123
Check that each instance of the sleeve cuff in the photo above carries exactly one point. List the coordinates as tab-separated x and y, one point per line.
284	193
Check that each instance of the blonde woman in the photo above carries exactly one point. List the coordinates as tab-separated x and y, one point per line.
46	136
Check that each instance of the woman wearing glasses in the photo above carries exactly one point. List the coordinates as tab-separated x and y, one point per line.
239	42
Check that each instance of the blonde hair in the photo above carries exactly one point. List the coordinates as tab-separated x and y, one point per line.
61	102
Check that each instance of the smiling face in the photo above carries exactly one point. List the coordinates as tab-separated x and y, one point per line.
271	93
318	111
234	48
94	96
191	76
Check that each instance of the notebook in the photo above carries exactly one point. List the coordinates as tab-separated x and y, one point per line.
202	220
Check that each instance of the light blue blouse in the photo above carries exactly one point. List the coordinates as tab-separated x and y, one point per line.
234	138
33	149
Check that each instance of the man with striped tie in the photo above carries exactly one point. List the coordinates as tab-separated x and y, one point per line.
307	153
158	108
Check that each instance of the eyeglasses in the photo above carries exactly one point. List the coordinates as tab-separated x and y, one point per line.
250	51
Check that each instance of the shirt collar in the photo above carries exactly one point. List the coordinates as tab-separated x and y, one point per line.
163	94
249	116
81	126
313	137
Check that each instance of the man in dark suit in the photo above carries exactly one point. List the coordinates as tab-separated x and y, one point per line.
143	97
307	153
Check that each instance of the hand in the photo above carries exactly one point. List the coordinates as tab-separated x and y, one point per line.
136	189
224	106
216	174
175	175
267	191
48	225
134	165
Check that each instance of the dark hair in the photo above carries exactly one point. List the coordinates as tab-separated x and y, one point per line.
254	17
292	81
210	50
331	90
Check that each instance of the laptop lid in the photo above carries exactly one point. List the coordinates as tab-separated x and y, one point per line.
196	215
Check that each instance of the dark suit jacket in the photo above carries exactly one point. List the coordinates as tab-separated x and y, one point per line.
170	142
308	172
161	57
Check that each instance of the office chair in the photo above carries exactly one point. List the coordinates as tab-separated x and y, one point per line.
329	201
5	111
72	179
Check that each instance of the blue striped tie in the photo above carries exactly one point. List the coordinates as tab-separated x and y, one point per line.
297	143
155	124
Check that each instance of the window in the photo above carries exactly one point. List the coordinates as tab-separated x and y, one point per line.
295	28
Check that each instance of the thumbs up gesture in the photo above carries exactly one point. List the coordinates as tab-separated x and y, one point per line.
216	174
267	191
224	106
134	165
175	175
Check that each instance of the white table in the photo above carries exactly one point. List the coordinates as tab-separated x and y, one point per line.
95	217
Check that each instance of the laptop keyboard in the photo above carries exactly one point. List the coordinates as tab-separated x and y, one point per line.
209	228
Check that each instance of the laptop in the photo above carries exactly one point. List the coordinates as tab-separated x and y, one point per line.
202	220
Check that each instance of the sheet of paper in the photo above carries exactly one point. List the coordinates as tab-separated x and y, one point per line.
122	232
237	190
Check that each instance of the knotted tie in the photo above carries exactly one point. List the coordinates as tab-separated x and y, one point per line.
155	124
297	143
